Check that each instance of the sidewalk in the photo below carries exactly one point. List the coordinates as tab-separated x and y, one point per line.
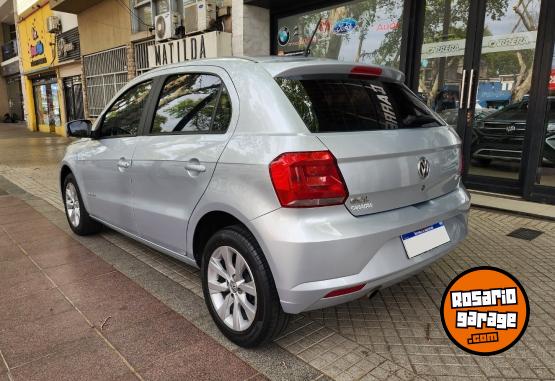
68	314
395	335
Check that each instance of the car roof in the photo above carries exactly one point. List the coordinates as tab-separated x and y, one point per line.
290	66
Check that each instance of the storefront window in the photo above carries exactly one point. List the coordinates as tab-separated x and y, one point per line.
366	31
47	107
445	24
505	79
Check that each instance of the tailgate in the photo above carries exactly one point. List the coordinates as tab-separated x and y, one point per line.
392	150
382	168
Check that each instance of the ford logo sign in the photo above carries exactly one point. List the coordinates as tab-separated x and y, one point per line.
344	26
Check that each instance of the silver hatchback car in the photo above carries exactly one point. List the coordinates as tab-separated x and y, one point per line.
293	183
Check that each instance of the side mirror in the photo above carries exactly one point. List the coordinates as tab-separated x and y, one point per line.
80	128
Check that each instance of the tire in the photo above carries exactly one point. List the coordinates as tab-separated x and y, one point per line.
81	223
269	319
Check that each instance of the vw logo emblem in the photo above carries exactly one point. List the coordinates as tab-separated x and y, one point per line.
423	167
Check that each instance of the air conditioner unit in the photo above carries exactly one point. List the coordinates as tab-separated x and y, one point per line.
165	25
53	24
198	15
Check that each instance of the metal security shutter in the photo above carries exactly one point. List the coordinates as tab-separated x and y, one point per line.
105	74
141	56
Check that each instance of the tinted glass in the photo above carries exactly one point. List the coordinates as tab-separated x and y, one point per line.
188	104
124	116
352	104
223	113
514	112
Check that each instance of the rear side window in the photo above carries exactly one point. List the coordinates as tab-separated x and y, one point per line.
192	103
343	104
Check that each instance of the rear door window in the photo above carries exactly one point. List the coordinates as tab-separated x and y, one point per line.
192	103
343	104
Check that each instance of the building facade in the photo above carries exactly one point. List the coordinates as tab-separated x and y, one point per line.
11	96
49	55
484	66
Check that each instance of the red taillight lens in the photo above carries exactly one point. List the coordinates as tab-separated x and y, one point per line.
344	291
367	70
307	179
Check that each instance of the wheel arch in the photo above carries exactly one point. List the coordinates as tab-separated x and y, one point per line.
216	218
64	171
208	224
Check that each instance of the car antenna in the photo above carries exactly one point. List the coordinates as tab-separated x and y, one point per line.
307	50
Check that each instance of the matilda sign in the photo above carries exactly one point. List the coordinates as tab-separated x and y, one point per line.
207	45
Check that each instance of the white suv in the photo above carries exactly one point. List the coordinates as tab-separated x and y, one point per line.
293	183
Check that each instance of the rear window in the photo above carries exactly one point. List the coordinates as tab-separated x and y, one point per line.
346	104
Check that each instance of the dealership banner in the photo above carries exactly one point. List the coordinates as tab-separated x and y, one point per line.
490	44
207	45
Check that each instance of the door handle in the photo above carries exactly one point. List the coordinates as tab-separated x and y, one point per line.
194	167
461	94
470	88
123	163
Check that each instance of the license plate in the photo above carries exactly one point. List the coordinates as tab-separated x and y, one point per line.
426	239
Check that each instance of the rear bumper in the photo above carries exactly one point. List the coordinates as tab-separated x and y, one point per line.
314	251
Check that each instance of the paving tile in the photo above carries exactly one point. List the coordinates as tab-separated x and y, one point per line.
112	285
145	342
17	267
123	311
20	218
43	231
89	358
47	245
37	306
9	203
116	296
91	266
24	285
53	257
31	340
205	361
9	252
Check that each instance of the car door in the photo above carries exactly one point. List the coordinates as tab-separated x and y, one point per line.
106	165
175	159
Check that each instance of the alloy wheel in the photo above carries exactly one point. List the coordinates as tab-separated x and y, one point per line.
232	288
72	205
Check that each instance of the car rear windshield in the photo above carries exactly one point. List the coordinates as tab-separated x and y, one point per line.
346	103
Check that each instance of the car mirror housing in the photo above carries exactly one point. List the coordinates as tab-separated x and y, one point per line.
80	128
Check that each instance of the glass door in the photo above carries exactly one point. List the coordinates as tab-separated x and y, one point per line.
546	172
442	58
502	79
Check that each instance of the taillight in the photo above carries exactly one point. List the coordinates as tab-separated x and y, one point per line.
307	179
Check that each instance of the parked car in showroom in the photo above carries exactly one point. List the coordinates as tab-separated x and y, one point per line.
293	183
500	135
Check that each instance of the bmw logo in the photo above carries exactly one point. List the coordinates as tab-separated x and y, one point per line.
283	36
